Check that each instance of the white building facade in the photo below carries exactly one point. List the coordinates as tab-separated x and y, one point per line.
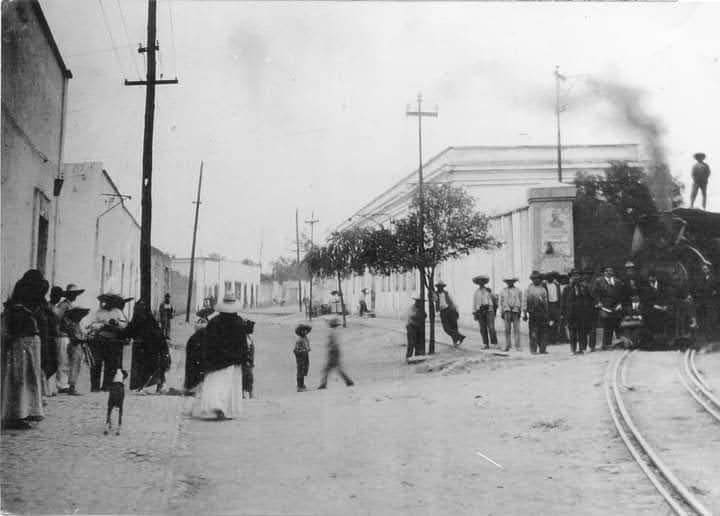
98	244
217	277
530	210
34	93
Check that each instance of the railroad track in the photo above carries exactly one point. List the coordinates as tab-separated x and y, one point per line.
696	386
676	494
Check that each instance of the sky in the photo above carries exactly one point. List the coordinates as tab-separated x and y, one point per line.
301	105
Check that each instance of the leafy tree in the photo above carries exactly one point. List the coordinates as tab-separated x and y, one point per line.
452	229
287	269
610	206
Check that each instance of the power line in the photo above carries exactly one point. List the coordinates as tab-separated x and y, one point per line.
112	40
127	37
172	35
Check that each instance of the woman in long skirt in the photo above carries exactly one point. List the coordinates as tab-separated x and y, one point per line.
224	350
21	397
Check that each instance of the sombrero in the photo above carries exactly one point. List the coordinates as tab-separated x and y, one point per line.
229	305
334	322
441	283
481	278
72	288
76	314
510	279
300	328
535	274
113	300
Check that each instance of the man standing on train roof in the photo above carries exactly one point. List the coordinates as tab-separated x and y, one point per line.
700	175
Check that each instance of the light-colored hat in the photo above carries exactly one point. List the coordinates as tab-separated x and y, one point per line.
481	278
72	288
229	305
510	279
629	265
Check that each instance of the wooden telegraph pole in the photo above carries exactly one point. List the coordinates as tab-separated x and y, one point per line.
192	252
421	217
146	220
312	223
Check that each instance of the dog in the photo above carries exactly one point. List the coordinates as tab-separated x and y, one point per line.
116	397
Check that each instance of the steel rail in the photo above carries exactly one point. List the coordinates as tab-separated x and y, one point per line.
696	387
645	456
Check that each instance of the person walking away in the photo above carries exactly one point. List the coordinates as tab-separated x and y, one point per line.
482	309
166	312
225	350
67	361
510	308
248	373
150	351
607	292
105	334
700	176
448	313
578	312
302	355
535	312
554	310
414	327
20	349
333	357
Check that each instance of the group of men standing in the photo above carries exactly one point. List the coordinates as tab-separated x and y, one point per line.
572	310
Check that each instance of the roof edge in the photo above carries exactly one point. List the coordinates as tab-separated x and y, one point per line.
37	8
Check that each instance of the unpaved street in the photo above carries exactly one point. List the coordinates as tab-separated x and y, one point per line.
465	433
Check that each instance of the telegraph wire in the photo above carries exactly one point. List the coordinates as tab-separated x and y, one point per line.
127	37
112	40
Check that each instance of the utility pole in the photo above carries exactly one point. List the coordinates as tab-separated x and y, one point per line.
558	78
421	216
297	248
192	252
312	223
146	204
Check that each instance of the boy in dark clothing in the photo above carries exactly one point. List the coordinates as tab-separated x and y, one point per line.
333	360
302	355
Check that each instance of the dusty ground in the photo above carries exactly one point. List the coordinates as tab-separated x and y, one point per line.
404	440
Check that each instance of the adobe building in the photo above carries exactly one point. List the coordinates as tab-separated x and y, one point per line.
34	95
530	213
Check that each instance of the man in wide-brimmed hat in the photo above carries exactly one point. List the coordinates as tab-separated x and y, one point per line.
76	347
483	310
302	355
510	310
535	311
578	312
448	313
700	175
106	336
69	357
607	292
414	327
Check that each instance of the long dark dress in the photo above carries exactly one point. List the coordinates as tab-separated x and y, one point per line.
150	352
193	359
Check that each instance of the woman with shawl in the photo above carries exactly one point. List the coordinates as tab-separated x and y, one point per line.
150	352
21	397
224	350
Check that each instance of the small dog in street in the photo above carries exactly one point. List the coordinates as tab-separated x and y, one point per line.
116	397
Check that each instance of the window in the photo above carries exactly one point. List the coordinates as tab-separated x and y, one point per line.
228	287
122	278
41	214
405	282
238	288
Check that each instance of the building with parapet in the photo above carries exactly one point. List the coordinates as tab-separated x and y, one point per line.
530	213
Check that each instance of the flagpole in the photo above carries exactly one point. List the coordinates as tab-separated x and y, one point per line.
557	116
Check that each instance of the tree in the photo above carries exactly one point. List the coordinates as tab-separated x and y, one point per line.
287	269
453	229
609	207
345	252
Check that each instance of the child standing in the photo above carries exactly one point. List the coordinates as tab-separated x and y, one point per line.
302	355
333	360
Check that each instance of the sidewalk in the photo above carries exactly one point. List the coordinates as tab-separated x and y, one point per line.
67	465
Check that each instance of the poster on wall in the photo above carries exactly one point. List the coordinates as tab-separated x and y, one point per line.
555	228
